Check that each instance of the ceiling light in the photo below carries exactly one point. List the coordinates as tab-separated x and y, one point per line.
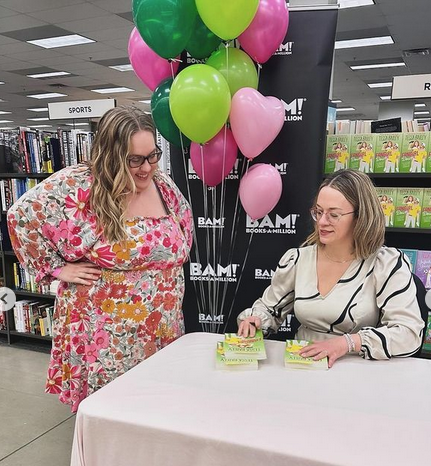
41	126
377	85
38	119
346	109
51	95
2	82
6	121
420	105
386	97
365	42
38	109
122	67
377	65
422	113
48	75
61	41
355	3
77	124
112	90
145	101
3	113
336	101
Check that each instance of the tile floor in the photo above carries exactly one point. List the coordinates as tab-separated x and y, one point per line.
35	428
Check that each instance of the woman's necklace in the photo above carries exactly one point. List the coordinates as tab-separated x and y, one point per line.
333	260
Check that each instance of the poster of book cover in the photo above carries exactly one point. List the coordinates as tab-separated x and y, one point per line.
408	208
426	209
387	152
414	152
423	268
362	152
387	198
337	152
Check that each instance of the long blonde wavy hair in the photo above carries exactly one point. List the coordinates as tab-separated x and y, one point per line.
369	230
112	181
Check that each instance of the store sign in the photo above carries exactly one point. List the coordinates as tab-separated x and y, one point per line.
79	109
412	87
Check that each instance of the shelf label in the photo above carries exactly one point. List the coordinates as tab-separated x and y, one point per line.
79	109
411	87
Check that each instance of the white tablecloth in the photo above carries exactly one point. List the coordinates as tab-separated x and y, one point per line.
176	409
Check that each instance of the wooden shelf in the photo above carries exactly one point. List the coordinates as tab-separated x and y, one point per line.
25	175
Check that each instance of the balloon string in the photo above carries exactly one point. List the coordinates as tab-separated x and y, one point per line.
215	287
259	68
207	235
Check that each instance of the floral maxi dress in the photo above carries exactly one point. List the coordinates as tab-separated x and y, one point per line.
134	309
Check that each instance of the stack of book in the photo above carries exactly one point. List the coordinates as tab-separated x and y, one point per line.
292	359
237	353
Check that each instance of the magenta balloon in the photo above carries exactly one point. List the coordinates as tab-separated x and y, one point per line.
147	65
216	150
255	120
267	30
260	190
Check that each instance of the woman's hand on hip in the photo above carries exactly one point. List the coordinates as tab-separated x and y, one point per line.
82	273
247	328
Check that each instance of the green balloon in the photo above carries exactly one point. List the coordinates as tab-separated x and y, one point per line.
200	102
162	115
165	25
202	42
236	66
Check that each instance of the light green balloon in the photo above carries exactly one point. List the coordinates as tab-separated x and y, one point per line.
200	102
236	66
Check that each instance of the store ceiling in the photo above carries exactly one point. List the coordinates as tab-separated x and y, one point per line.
109	22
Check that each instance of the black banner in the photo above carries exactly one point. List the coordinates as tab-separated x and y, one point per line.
234	257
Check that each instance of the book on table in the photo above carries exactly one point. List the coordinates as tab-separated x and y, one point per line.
238	347
233	364
292	359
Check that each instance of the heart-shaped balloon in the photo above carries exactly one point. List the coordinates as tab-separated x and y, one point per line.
214	160
255	120
267	30
260	190
227	19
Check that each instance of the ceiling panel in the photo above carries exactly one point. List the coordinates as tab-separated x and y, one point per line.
12	23
29	6
70	13
114	6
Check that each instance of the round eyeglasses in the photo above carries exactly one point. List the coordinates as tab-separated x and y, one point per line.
331	217
135	161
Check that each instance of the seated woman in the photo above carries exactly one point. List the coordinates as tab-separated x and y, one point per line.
350	293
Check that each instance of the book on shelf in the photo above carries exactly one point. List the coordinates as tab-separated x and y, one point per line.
369	126
412	255
425	221
337	152
238	347
423	267
292	359
408	207
414	152
387	198
233	364
362	152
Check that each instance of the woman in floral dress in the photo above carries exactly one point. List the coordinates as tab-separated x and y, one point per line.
116	233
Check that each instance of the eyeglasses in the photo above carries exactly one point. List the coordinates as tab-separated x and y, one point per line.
332	217
135	161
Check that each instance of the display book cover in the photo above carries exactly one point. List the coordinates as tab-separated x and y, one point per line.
233	364
292	360
236	347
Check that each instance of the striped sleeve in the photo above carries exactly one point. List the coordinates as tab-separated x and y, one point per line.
400	328
278	299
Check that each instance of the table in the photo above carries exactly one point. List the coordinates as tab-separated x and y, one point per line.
176	409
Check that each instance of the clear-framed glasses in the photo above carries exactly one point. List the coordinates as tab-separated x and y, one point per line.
135	161
332	217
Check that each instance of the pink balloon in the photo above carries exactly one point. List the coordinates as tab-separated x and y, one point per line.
267	30
255	120
214	151
260	190
147	65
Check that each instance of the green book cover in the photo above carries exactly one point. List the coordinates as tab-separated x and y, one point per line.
428	159
236	347
414	152
293	360
426	209
387	152
337	152
427	342
412	255
408	208
362	152
233	364
387	198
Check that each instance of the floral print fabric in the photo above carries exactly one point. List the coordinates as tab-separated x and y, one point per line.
133	310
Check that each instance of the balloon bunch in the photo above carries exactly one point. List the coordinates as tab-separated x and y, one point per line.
196	104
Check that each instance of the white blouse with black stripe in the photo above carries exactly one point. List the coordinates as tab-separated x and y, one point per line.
375	297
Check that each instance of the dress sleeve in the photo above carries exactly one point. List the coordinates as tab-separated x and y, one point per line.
400	328
278	299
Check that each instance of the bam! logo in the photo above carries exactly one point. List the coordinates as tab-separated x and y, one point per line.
204	222
280	225
216	273
285	49
262	274
293	110
193	61
233	175
282	168
286	325
211	319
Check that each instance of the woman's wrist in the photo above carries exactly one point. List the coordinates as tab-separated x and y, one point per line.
56	272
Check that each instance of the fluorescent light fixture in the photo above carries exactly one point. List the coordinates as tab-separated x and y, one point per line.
422	113
420	105
41	126
6	121
112	90
145	101
2	82
386	97
61	41
378	85
50	95
354	3
38	109
336	101
48	75
365	42
122	67
377	66
77	124
38	119
346	109
4	113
